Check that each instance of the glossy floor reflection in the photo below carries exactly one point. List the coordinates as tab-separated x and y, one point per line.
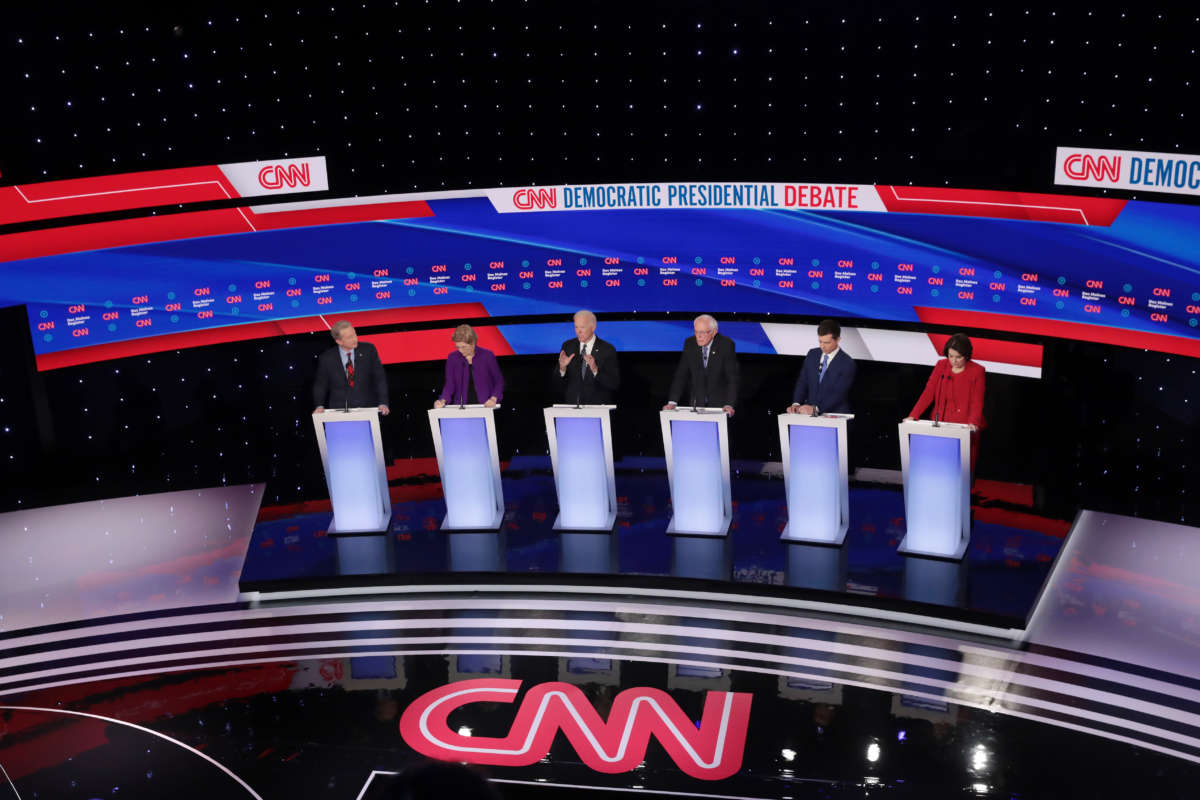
338	728
1011	549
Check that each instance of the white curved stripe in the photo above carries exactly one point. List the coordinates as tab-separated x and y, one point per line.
630	719
983	706
1005	673
10	783
143	729
988	697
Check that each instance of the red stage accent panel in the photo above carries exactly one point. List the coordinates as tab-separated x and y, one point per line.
1028	355
1062	330
34	201
434	345
189	225
1003	205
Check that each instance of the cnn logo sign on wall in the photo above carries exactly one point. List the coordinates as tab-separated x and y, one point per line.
1176	173
284	176
709	751
535	199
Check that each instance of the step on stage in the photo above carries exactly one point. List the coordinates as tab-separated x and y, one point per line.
193	644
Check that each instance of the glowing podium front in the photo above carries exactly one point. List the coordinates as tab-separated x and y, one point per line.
815	477
936	460
581	451
464	438
696	444
352	455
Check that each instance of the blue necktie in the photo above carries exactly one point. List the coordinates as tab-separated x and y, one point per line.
824	364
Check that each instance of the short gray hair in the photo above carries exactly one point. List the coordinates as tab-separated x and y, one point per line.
338	328
708	318
587	315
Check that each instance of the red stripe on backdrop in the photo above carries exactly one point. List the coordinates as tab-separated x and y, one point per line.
1102	334
333	215
33	201
190	225
1029	355
254	330
1001	205
433	345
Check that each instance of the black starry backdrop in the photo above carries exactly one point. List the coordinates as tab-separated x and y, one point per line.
403	96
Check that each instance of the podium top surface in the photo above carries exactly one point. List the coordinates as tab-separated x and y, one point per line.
811	418
595	406
928	423
681	410
346	415
469	410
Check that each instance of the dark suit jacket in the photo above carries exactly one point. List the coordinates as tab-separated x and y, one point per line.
714	387
831	394
331	389
581	386
484	370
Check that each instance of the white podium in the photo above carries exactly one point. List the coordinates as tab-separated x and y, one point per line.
464	438
352	455
815	477
936	460
696	444
581	452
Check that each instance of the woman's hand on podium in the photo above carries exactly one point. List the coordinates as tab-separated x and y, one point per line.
973	428
490	402
439	403
384	410
908	419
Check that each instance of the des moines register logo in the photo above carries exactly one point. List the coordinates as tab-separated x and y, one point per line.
709	750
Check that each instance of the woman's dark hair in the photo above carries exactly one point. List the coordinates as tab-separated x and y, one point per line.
959	342
442	780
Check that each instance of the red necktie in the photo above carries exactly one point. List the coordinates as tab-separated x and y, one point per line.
350	372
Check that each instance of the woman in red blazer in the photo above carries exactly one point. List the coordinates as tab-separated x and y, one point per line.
955	390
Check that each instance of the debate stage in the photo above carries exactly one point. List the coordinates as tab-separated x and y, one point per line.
195	644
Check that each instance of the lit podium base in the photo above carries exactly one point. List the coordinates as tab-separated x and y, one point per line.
815	477
696	444
936	460
464	438
581	452
352	456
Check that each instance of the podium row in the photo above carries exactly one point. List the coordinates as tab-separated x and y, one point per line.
935	459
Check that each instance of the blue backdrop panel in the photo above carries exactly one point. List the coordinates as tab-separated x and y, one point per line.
582	473
353	476
933	494
814	506
467	473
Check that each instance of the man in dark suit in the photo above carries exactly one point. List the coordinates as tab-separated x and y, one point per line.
350	375
708	369
587	371
826	377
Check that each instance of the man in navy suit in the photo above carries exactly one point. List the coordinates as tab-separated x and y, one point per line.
350	375
826	377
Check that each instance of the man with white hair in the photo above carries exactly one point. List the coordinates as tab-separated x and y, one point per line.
707	375
587	372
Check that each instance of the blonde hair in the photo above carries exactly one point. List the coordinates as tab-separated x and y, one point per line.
464	333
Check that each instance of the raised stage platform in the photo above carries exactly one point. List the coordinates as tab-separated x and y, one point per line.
229	657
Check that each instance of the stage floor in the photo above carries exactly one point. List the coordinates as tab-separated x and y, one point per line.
1011	552
1051	665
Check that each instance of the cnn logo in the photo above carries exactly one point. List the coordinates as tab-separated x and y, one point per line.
529	199
276	176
